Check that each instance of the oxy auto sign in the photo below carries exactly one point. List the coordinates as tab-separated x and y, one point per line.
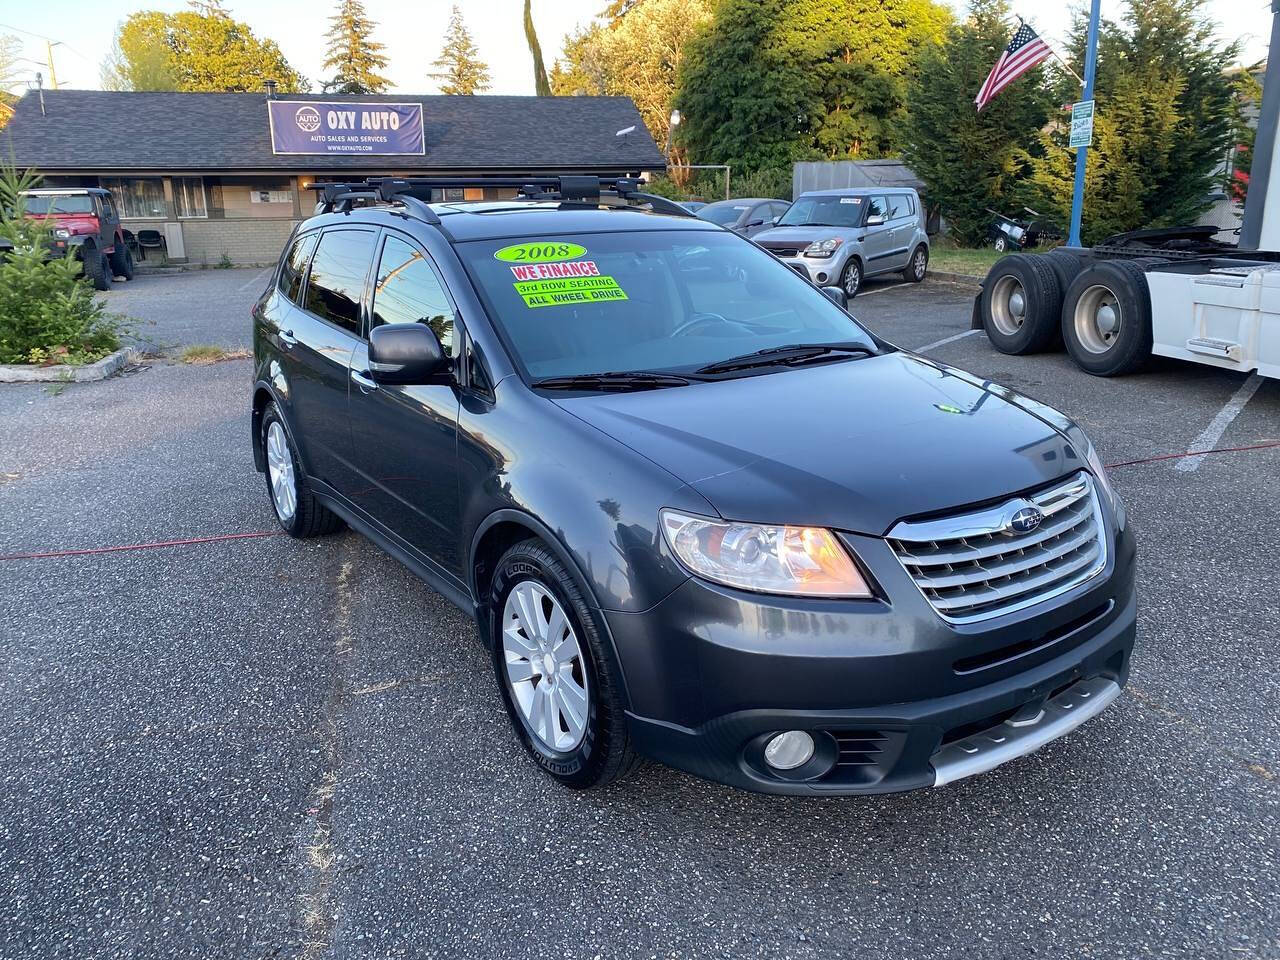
318	127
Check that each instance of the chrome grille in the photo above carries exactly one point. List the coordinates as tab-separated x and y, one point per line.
972	566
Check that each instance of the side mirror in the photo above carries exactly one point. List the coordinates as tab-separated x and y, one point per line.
875	220
406	353
775	220
837	296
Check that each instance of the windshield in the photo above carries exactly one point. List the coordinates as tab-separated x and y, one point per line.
656	301
722	213
824	211
44	205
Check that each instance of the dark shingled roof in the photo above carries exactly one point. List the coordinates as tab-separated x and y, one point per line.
86	130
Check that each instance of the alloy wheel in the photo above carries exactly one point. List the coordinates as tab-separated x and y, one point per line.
284	490
919	263
852	279
545	667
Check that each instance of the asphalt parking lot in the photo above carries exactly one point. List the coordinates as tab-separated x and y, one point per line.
260	747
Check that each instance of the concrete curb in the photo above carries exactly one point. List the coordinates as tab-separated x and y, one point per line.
108	366
964	278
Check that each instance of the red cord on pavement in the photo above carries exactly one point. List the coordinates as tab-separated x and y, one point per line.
1195	453
142	546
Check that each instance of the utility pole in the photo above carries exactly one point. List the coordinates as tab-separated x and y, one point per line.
53	74
1264	152
1082	153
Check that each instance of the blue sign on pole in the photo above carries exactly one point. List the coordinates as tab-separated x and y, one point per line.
332	128
1082	154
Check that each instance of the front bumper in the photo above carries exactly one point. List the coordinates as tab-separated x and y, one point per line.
823	273
894	697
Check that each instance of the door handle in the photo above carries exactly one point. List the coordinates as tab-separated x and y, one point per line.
365	382
286	338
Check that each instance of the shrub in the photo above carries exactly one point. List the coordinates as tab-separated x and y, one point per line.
48	312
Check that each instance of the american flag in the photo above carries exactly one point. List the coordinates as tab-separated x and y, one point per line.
1025	51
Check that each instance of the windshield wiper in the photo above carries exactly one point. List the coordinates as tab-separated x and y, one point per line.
613	380
788	353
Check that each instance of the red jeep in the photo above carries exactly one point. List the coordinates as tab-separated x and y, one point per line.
87	227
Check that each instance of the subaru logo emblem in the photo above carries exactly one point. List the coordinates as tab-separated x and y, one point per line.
1026	520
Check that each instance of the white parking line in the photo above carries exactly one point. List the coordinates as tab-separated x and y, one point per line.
1218	425
256	278
871	293
945	340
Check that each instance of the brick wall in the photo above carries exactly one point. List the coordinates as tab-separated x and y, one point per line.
244	241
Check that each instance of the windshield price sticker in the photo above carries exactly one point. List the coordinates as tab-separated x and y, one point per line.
567	291
539	252
850	199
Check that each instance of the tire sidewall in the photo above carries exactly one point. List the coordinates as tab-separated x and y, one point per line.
530	560
853	266
269	416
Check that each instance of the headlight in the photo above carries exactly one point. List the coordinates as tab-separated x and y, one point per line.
823	248
61	233
1099	472
804	561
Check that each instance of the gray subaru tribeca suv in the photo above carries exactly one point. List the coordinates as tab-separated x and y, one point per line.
697	511
841	237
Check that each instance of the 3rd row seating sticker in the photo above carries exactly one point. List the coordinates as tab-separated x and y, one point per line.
564	284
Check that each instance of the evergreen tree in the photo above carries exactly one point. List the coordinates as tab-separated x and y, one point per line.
970	161
773	81
1164	122
352	53
541	85
459	70
197	50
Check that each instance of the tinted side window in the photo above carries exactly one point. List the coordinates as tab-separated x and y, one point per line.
295	265
877	207
409	291
335	285
899	206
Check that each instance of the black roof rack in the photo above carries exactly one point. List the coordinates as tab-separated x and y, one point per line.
415	192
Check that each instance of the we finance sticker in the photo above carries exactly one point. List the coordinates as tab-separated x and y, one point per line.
564	284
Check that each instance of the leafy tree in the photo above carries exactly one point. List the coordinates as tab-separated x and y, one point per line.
48	312
638	55
459	68
352	53
199	50
541	86
773	81
1164	122
970	161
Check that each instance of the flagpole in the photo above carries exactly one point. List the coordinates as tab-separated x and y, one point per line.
1082	153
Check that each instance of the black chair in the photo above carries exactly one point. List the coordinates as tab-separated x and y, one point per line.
131	241
149	238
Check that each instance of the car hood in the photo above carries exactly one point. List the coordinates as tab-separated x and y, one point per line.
802	236
854	445
75	222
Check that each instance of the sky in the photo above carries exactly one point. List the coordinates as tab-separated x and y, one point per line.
412	29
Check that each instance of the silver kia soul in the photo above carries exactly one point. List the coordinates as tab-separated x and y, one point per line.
841	237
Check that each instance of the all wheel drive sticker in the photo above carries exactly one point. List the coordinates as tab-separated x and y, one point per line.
550	275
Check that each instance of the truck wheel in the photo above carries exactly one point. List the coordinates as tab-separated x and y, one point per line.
1021	304
1066	267
1001	244
122	262
1106	318
97	269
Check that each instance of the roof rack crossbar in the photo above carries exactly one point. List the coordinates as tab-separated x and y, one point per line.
415	192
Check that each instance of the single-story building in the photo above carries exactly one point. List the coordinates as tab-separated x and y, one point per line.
228	173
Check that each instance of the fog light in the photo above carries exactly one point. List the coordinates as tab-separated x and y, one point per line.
822	278
789	750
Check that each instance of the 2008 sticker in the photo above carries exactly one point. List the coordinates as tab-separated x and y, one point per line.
544	252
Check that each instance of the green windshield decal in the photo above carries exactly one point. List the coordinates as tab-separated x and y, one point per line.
539	252
568	291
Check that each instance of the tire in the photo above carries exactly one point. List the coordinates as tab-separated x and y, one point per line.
918	266
96	268
538	585
1066	267
122	262
851	278
1021	304
1001	244
1108	345
300	515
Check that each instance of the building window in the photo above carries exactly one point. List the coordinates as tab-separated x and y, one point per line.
241	198
139	198
188	197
